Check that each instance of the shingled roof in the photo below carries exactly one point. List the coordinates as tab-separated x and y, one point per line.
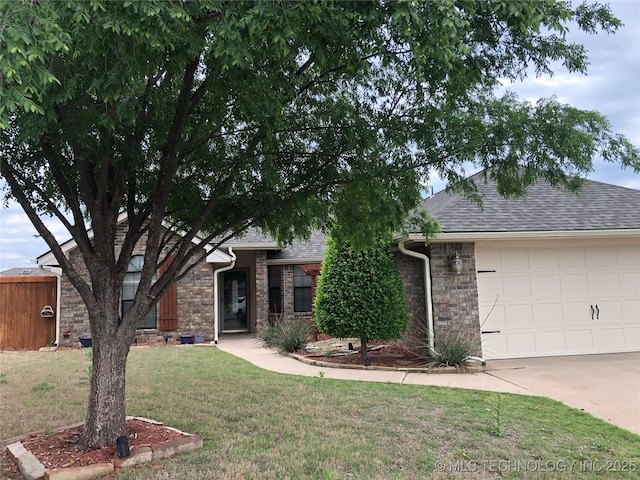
599	206
298	252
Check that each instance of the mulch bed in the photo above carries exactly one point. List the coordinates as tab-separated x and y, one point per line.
60	449
381	354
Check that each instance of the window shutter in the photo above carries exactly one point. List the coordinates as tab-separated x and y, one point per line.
168	304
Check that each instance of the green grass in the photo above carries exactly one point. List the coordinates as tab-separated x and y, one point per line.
262	425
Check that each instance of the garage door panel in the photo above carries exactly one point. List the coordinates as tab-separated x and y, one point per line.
546	286
493	344
609	339
545	291
550	342
632	338
519	315
572	258
544	259
579	341
491	283
491	260
576	313
629	255
522	342
610	312
631	312
546	314
517	287
515	259
602	256
492	317
604	285
630	284
575	286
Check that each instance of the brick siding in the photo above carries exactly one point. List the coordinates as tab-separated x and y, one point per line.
455	296
195	302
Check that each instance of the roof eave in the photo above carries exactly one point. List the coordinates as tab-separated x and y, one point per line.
520	235
294	261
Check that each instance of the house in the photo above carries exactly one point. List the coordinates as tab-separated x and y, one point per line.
551	274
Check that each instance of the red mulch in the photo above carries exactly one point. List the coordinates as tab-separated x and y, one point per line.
60	449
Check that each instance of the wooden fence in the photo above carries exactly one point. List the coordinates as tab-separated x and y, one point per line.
25	321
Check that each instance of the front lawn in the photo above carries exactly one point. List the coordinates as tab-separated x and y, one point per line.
262	425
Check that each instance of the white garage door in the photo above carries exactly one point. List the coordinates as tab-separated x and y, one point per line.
559	297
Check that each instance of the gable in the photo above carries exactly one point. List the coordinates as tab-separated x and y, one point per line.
214	256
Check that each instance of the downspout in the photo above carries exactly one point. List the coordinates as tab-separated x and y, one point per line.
216	308
427	292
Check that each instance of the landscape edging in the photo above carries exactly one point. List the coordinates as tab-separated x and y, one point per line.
28	463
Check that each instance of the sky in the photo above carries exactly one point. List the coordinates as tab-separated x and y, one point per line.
611	87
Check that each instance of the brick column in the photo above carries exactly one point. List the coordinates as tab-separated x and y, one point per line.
455	296
287	291
262	290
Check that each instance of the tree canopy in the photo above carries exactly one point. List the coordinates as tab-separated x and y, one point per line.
212	116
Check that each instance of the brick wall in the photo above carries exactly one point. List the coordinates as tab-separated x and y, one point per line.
455	296
195	302
286	284
73	313
411	271
262	290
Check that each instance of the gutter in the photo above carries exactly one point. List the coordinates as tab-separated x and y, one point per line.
427	291
216	308
526	235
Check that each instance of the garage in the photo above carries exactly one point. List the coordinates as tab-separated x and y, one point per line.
559	296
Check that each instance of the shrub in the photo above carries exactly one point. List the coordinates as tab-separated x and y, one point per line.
453	349
286	336
360	294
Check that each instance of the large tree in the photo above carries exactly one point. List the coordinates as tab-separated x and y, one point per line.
212	116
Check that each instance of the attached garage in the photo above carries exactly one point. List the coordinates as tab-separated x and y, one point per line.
559	297
556	273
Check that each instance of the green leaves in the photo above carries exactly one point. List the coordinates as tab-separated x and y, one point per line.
286	116
360	293
29	35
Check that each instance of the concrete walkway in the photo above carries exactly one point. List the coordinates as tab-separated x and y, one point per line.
537	377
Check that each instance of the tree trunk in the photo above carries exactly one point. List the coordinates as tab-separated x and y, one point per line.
363	351
106	408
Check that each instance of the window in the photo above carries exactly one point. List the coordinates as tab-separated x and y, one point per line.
301	290
275	292
129	288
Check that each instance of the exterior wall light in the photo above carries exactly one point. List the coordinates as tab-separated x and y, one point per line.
456	263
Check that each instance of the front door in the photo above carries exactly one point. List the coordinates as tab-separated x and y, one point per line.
236	301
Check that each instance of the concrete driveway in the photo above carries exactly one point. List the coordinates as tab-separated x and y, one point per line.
607	386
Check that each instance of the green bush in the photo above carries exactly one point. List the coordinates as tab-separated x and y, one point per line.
286	336
360	294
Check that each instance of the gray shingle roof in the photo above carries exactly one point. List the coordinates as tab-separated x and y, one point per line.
298	251
303	251
599	206
251	238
